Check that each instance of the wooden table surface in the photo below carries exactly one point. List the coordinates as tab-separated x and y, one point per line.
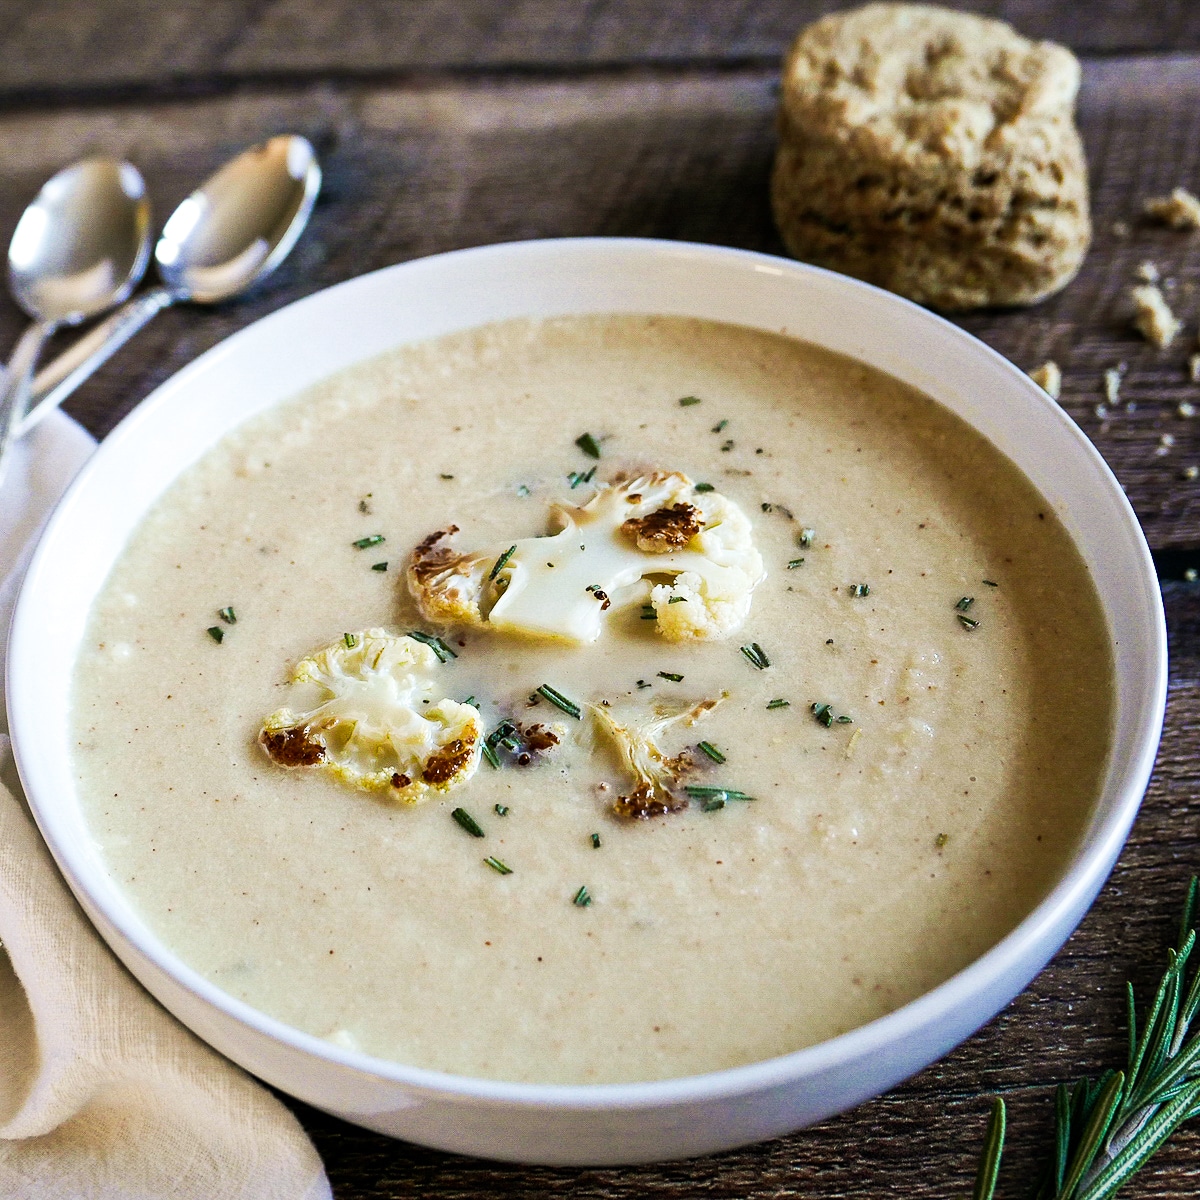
450	123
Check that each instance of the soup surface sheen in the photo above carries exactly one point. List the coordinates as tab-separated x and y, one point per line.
880	855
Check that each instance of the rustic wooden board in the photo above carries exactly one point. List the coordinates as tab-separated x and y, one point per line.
416	169
428	162
62	46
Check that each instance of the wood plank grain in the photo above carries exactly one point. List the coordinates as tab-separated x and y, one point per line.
412	170
921	1139
49	46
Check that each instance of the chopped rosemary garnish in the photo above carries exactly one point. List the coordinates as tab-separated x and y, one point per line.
711	750
497	865
1107	1128
860	589
989	582
671	675
227	615
216	633
677	600
941	840
727	444
966	621
844	720
443	475
363	506
560	701
595	841
575	478
648	613
805	537
372	540
965	603
642	683
435	644
779	702
470	700
490	754
522	490
588	445
719	426
823	713
712	805
794	563
499	564
757	656
501	810
582	897
688	401
467	822
351	640
505	734
705	487
379	566
696	792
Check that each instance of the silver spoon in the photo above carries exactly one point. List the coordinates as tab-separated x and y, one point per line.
80	247
232	231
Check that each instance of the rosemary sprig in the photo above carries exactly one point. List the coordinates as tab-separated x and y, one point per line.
1106	1129
560	701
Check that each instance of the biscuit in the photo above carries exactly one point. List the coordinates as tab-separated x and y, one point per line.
933	153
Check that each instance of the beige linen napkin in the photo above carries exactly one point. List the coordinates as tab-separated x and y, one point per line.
103	1095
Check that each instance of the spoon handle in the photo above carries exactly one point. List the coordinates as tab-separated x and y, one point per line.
16	387
56	381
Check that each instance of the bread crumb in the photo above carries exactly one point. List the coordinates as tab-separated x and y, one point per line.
1147	272
1049	378
1112	384
1194	368
1154	319
1164	445
1190	575
1184	409
1192	472
1120	229
1179	210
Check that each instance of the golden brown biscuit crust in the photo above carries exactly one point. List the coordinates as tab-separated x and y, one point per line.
934	153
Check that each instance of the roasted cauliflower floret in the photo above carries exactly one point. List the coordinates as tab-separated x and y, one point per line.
657	776
693	551
371	720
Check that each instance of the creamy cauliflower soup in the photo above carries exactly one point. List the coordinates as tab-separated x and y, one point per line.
822	728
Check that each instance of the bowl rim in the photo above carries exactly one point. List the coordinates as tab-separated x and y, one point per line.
1074	890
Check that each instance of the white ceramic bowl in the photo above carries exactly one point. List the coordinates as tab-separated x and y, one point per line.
283	353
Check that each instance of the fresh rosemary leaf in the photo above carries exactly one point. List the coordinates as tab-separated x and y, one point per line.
364	542
499	564
757	656
965	603
435	644
595	841
498	866
560	701
501	810
490	754
705	487
696	792
216	633
677	600
823	713
468	822
671	675
719	426
227	615
379	566
778	702
707	748
588	445
688	401
966	621
351	640
794	563
582	897
993	1148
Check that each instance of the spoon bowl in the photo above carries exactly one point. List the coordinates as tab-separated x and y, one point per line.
82	244
240	224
